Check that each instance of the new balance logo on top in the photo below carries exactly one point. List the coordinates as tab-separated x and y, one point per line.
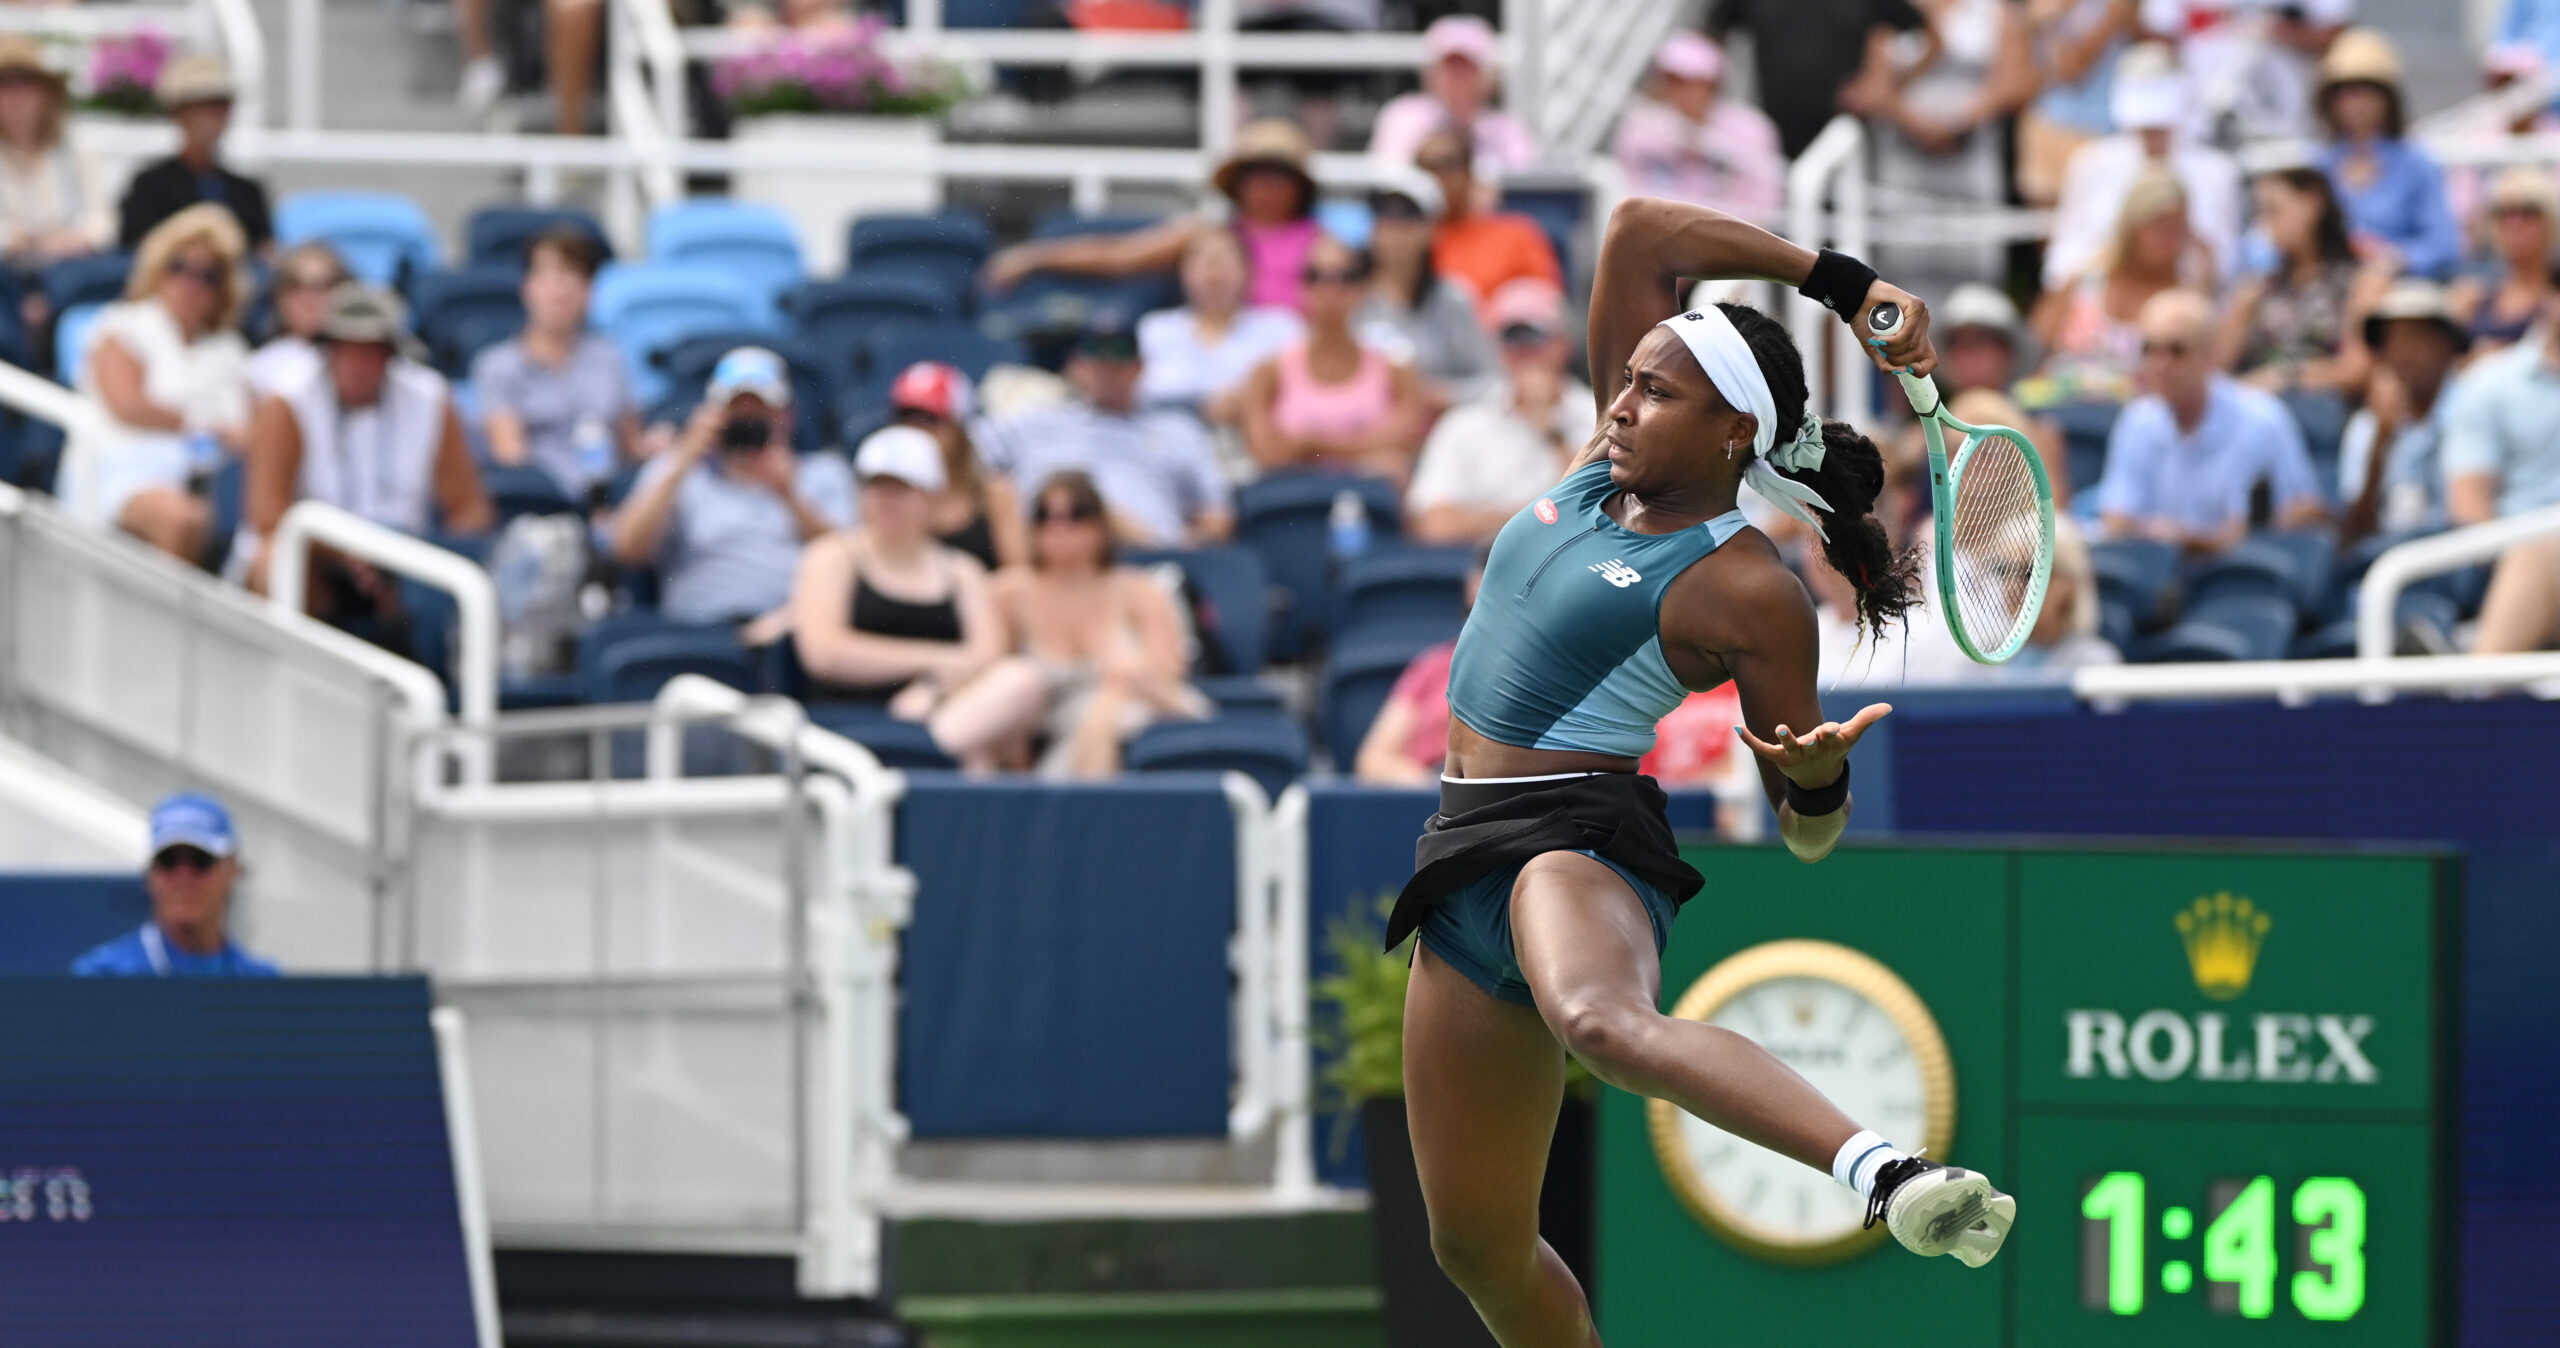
1617	573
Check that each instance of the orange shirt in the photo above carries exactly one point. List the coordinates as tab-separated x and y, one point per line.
1491	250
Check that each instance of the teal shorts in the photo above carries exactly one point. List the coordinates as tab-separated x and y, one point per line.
1471	928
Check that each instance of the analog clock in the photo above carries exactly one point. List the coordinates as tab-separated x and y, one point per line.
1862	1037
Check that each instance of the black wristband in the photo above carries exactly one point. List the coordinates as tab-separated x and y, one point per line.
1839	283
1811	801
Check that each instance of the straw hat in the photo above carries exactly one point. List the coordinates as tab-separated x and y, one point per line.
1268	142
2527	185
21	54
196	78
2418	300
2360	56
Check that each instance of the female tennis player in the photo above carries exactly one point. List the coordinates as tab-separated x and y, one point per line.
1546	884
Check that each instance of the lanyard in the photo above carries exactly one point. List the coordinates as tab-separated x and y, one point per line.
155	949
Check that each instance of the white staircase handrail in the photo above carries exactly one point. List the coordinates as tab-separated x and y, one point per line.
475	595
1838	154
244	45
2293	681
2377	604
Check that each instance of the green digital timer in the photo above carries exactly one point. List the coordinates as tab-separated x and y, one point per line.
2238	1246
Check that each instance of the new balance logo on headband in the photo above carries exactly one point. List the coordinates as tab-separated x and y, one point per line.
1617	573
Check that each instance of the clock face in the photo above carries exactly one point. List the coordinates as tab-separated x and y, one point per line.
1858	1034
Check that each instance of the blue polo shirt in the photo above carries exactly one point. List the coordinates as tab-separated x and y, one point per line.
2201	481
144	953
2502	417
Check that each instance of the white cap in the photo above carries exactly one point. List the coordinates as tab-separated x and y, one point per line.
750	369
903	452
1462	35
1975	305
2148	102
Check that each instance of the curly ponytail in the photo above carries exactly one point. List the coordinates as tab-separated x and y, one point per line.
1851	477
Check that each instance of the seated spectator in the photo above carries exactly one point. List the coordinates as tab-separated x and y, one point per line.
1327	401
1412	313
1196	356
1456	95
2388	466
1273	215
2092	346
1687	142
1485	249
1488	459
172	373
1941	138
197	91
2501	443
1814	59
2186	457
885	612
724	512
304	278
367	428
1979	333
1097	650
555	396
974	510
2149	104
1156	470
2498	304
2076	45
2392	190
195	862
52	205
2295	328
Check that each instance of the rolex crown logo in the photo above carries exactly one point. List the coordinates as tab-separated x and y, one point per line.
2222	936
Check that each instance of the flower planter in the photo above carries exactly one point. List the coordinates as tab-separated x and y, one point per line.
875	164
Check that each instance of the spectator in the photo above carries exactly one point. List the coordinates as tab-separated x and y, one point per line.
886	612
974	510
1812	59
2496	307
304	278
2149	105
1156	469
1687	142
2294	328
2092	344
1940	139
724	512
2253	63
1097	650
197	91
370	430
2388	468
2501	443
194	864
556	396
1457	95
1197	355
1486	249
1327	401
1412	313
170	370
1487	460
2076	45
1265	180
2186	458
2392	190
51	203
1408	739
1980	333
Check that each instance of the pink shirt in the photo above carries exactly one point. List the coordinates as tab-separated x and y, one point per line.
1730	161
1303	405
1423	688
1409	119
1275	255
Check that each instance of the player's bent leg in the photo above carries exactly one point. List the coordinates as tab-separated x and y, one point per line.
1483	1080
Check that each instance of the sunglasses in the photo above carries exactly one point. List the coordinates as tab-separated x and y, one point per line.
1108	348
1334	276
2516	210
1079	513
1394	208
2173	350
194	859
211	274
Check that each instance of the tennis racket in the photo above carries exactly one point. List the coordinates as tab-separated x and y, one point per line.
1995	520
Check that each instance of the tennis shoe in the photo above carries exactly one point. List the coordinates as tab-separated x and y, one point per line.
1941	1209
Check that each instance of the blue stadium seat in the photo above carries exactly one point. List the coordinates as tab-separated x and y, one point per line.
2115	623
2250	566
1283	516
687	366
1232	590
1559	212
524	490
634	668
71	340
2231	627
2314	553
1357	678
649	307
856	302
752	242
896	743
2085	427
383	237
1411	588
1240	692
446	301
96	279
2427	617
1050	306
2139	573
876	356
943	250
1270	749
498	234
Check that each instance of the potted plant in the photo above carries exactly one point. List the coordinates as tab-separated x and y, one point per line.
1359	1023
876	113
123	75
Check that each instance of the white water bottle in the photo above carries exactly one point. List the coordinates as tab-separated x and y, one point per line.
592	443
1348	526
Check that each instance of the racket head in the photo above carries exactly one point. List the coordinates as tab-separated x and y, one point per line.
1994	538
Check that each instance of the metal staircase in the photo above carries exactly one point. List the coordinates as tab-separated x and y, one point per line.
1577	62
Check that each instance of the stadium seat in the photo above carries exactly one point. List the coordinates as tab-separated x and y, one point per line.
876	356
896	743
1240	692
753	243
1559	212
2140	574
687	367
1231	589
1411	589
1357	678
498	234
2251	566
635	667
447	301
2232	627
944	250
2425	621
847	307
1283	516
2115	623
2085	427
1270	749
384	237
649	307
523	490
2314	553
96	279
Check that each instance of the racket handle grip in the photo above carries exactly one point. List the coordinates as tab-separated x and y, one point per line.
1885	321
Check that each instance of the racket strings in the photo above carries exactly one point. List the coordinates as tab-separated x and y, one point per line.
1997	537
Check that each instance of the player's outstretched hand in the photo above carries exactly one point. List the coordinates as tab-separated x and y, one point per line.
1909	349
1814	759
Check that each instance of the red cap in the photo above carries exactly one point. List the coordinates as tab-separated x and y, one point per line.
931	386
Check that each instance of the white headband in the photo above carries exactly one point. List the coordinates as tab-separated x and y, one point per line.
1730	366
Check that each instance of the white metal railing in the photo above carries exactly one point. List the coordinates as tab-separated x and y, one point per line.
2297	681
2378	601
1832	167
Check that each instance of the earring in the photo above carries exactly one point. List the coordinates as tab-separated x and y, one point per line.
1728	451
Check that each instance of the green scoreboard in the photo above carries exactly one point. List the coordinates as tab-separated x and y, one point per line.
2217	1082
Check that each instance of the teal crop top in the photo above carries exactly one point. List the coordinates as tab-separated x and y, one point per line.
1564	647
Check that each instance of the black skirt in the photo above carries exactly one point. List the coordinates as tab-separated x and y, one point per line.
1484	826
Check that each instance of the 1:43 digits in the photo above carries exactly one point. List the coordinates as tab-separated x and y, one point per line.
2238	1250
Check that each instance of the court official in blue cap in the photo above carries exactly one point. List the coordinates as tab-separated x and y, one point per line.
194	863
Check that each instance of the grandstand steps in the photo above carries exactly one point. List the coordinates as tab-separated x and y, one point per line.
53	819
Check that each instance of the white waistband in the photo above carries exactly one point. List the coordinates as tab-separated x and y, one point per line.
1499	781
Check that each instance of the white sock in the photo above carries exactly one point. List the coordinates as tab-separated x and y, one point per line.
1860	1158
